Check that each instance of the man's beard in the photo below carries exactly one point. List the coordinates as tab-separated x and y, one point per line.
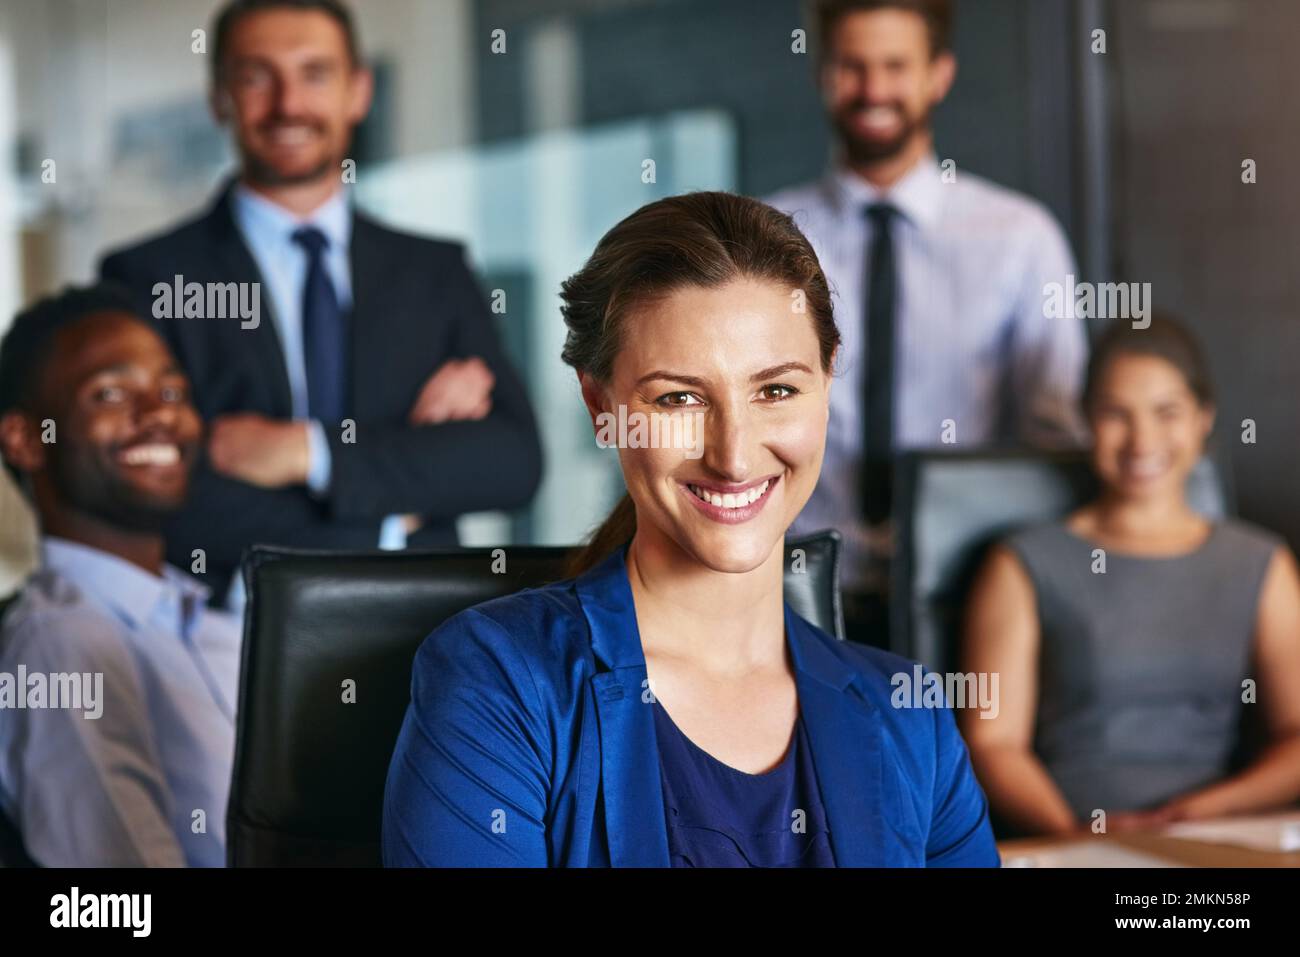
859	151
92	490
264	174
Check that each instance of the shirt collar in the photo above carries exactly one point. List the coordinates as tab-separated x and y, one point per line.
257	215
917	195
129	590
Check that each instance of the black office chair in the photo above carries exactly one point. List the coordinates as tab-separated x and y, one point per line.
953	505
309	772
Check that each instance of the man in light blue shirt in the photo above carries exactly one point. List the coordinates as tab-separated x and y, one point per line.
939	279
117	686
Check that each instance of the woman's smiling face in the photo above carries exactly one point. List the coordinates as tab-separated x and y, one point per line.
744	357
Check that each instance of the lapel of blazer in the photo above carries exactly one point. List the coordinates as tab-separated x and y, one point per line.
844	730
371	312
629	763
237	265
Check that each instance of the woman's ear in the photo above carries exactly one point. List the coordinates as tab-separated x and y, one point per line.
1208	413
829	377
593	396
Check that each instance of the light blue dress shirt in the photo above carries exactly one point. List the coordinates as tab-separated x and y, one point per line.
122	789
977	363
268	230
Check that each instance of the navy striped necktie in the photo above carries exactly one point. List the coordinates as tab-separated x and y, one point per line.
324	334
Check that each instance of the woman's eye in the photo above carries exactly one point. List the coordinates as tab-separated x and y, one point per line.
674	400
173	393
110	393
778	391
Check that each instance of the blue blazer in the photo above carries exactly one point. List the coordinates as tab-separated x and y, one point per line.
528	742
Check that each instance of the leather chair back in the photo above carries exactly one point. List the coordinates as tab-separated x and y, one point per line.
308	782
953	505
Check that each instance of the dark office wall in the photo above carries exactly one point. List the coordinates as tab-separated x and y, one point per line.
1009	117
1199	88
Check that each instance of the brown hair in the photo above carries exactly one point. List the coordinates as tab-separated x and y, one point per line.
937	15
236	10
1165	338
698	239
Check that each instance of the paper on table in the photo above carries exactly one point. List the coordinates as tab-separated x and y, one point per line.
1274	832
1087	854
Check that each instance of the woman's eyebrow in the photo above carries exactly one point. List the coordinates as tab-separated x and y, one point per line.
780	370
671	377
768	373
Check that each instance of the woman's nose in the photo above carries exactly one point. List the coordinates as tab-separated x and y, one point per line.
727	438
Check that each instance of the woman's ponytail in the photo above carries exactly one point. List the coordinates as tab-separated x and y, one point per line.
614	532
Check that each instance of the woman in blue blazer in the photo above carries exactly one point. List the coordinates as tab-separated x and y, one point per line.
665	707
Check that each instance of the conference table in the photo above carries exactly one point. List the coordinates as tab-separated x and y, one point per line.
1262	841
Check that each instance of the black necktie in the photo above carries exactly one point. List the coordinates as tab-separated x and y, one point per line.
878	391
324	342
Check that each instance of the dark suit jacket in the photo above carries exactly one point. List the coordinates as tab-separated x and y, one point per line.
415	305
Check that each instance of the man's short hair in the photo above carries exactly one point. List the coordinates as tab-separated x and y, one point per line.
937	15
230	14
28	346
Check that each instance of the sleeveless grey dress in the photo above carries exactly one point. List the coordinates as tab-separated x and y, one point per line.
1141	667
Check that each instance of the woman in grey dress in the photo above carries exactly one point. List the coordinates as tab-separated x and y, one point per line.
1128	635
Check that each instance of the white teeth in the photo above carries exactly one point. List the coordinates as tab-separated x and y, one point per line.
152	455
877	116
291	134
737	500
1146	467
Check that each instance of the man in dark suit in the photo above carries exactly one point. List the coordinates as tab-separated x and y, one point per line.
375	405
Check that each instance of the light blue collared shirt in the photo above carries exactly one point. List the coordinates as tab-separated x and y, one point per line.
268	230
978	363
146	782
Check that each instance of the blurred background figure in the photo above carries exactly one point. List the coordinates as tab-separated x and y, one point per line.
374	405
940	277
527	129
96	419
1125	633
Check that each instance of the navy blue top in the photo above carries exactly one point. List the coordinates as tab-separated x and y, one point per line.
718	816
